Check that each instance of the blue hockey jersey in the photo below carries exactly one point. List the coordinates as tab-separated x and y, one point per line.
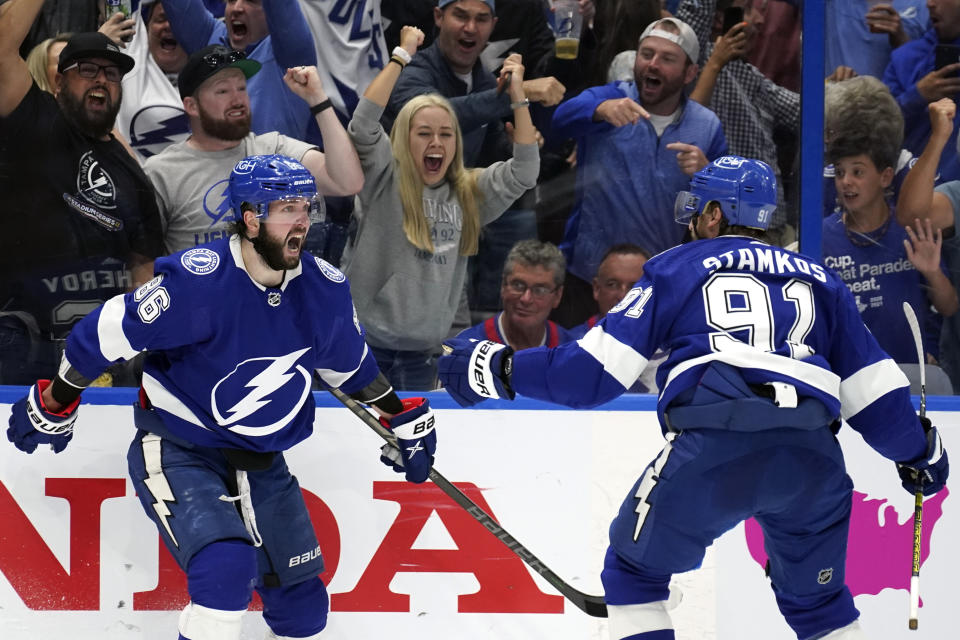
734	304
230	361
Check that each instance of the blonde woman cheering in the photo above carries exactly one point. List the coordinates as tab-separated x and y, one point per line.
421	213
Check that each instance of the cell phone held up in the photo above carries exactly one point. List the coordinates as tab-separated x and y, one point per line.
945	54
117	6
732	16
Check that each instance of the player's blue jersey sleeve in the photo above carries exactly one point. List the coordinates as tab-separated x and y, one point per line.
348	364
601	365
161	314
874	392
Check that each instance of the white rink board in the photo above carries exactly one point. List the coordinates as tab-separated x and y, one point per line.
553	478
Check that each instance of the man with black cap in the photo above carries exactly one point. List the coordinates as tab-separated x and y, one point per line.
190	176
79	211
249	26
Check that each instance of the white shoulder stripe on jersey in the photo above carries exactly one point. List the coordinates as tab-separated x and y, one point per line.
864	387
747	357
618	359
337	378
163	399
113	343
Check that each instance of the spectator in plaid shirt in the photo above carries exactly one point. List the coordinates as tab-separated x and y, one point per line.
750	106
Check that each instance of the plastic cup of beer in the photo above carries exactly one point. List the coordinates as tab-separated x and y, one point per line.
568	21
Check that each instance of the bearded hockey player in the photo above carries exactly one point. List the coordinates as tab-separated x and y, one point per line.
234	331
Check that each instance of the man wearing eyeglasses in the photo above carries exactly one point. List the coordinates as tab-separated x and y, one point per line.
81	217
532	288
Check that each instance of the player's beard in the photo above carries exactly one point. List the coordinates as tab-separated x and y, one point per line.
222	129
95	125
271	250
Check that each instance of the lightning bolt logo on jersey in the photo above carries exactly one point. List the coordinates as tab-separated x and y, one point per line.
226	368
257	391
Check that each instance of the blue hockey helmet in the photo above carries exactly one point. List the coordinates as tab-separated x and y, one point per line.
745	189
260	180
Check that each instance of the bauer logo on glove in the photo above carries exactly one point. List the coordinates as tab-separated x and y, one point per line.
31	423
416	440
473	371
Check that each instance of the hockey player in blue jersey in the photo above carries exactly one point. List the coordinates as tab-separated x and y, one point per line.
234	331
767	353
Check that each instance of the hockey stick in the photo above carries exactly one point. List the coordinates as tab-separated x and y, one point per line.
918	497
589	604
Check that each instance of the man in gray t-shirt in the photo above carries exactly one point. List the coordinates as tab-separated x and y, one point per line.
190	177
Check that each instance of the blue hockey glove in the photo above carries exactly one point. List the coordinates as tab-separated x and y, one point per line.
473	370
32	424
416	440
927	474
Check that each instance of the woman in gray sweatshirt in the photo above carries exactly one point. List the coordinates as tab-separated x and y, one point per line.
420	217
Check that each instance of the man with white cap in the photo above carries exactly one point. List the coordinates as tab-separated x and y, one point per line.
638	144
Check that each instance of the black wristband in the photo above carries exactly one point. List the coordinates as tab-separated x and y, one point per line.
506	371
398	61
64	392
317	108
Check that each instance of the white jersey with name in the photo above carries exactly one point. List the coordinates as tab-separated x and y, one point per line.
151	115
351	50
230	361
734	303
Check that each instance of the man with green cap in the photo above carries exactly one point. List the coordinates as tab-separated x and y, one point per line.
189	176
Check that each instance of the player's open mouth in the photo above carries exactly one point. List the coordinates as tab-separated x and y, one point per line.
467	45
294	243
432	162
239	28
168	44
